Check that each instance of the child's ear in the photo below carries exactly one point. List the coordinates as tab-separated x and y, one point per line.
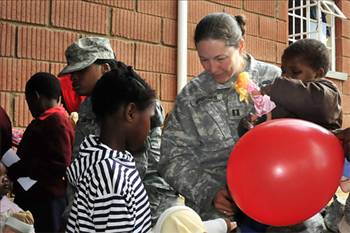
37	95
320	73
130	112
106	67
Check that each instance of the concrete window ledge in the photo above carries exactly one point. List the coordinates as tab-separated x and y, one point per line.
337	75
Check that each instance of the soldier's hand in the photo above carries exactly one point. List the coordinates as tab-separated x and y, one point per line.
344	135
345	186
223	202
244	125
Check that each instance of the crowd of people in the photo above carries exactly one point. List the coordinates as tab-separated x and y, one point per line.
120	168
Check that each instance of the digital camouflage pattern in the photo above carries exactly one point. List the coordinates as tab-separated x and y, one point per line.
200	134
85	51
347	210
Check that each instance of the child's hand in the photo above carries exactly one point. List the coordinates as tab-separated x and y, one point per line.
266	89
345	185
230	225
245	124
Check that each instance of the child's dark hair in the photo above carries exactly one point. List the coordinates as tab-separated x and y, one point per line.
311	51
118	87
44	84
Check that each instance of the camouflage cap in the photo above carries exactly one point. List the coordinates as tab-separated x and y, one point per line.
85	52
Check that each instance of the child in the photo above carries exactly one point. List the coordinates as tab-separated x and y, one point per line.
7	207
5	132
303	92
20	222
110	196
44	151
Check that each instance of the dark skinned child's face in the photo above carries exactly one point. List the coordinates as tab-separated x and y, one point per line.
297	68
34	105
139	129
4	181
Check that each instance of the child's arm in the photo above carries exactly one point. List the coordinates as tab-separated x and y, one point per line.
319	99
219	225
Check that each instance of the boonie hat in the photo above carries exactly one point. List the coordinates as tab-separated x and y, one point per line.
85	52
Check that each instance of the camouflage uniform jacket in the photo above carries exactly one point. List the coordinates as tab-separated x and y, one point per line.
200	134
347	210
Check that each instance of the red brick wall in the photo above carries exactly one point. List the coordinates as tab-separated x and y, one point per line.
35	33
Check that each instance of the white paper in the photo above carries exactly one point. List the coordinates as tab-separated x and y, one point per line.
26	182
10	157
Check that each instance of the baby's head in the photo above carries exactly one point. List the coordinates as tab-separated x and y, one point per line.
124	101
305	60
4	181
179	219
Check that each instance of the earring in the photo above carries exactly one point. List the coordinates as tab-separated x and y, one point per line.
243	64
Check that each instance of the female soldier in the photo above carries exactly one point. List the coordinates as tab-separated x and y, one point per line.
202	128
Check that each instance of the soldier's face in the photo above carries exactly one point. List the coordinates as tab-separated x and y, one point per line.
85	80
218	59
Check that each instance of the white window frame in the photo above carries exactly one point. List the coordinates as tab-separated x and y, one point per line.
314	27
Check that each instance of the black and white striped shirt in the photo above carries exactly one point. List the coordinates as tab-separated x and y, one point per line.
110	196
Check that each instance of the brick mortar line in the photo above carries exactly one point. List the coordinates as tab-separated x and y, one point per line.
109	21
105	4
50	27
70	30
223	4
50	24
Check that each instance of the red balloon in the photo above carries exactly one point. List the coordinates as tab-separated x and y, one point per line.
284	171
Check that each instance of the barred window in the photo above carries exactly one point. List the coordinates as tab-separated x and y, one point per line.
314	19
